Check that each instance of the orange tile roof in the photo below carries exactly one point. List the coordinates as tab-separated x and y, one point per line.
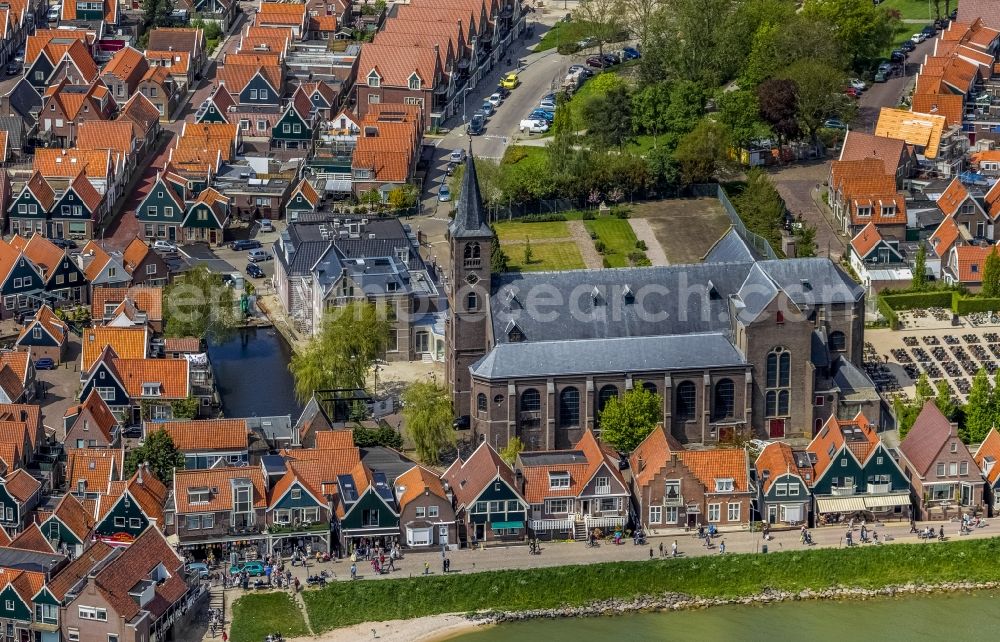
77	570
158	76
27	415
971	261
128	65
274	39
412	484
960	74
217	478
395	62
42	37
141	113
98	259
147	299
236	77
308	192
253	59
866	240
98	467
536	480
324	90
77	54
74	515
988	155
135	253
49	322
204	435
171	374
992	201
41	190
211	137
866	180
106	134
989	450
951	106
334	439
86	191
4	537
281	13
952	197
470	477
323	23
136	563
862	444
20	484
67	163
128	343
944	237
148	491
180	61
778	459
4	150
181	344
99	410
73	99
45	254
928	83
390	158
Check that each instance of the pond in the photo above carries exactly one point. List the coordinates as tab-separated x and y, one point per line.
251	373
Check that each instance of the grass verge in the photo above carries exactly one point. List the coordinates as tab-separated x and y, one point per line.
516	231
256	615
343	603
560	255
618	238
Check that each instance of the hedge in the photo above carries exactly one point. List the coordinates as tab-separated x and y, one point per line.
916	300
962	305
887	312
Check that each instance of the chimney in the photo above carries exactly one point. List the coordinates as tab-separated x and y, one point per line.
139	471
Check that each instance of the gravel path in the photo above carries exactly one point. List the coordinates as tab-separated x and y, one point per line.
644	232
591	257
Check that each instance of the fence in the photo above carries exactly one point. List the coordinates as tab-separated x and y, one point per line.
757	242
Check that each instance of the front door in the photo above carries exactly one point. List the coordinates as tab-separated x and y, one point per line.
480	532
966	495
772	514
585	507
777	428
692	519
172	233
443	534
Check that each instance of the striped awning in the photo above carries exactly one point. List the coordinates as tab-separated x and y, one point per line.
888	500
848	504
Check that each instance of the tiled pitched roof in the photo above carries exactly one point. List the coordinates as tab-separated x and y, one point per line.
469	478
650	455
253	58
861	178
49	323
323	23
135	564
127	64
21	485
308	192
135	253
99	410
118	135
145	298
41	190
28	415
952	197
31	539
141	113
390	155
128	343
4	147
536	480
334	439
181	344
42	37
862	441
27	583
197	137
301	104
971	260
12	386
158	76
4	537
45	254
98	467
412	484
77	54
719	463
929	434
324	90
172	375
913	127
860	145
944	237
988	455
274	39
143	486
204	435
220	478
396	63
775	460
179	62
281	13
86	191
236	77
175	39
78	569
67	163
98	259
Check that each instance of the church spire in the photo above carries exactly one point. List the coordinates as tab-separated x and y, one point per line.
470	219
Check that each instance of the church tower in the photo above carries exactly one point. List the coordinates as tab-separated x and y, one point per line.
470	240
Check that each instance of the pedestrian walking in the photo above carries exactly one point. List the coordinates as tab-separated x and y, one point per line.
427	568
650	552
722	547
661	549
673	549
354	571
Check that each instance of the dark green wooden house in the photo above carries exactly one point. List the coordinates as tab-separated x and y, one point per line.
487	503
295	128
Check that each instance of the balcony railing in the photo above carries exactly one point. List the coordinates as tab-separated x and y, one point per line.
842	490
473	263
677	500
603	490
879	488
603	522
298	528
551	524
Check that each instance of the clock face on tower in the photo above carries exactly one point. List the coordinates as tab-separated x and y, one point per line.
472	279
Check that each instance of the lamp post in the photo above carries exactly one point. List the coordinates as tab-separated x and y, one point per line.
465	92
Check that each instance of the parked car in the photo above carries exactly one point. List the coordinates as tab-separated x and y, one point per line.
457	155
253	270
197	568
258	255
534	126
597	62
266	225
612	58
254	568
630	53
881	76
449	170
495	99
929	31
444	193
834	123
586	42
504	92
19	56
55	11
14	68
579	69
164	246
898	55
477	125
541	114
548	103
917	38
45	363
487	108
510	81
907	46
858	84
244	244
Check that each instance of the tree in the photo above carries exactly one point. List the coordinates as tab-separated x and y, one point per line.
906	413
602	20
641	16
778	100
819	93
608	118
761	207
383	435
862	29
199	304
529	255
512	450
404	197
159	451
428	417
702	152
627	420
649	109
740	112
945	401
979	416
920	269
372	198
991	275
692	40
805	241
498	258
342	355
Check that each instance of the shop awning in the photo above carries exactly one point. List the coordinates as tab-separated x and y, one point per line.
849	504
890	500
499	525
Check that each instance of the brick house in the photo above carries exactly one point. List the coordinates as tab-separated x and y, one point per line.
160	87
387	150
861	192
212	506
283	15
488	505
117	135
897	157
183	40
677	488
144	265
943	474
965	264
122	73
426	516
91	424
958	203
65	106
389	73
138	305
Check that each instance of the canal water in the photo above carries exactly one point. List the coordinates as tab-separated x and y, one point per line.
251	373
954	616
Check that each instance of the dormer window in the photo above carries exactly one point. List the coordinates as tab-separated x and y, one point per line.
558	480
864	212
414	82
724	485
888	211
374	80
198	495
150	390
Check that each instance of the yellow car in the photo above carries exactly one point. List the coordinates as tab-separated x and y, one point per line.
509	81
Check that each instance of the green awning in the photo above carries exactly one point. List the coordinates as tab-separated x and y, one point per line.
499	525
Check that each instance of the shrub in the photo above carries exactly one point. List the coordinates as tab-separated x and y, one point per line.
641	245
968	305
588	216
619	211
606	263
593	235
568	48
600	246
916	300
638	258
542	218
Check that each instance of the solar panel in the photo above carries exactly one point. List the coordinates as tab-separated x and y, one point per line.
347	488
382	486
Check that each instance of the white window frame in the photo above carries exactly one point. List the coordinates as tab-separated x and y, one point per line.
655	514
714	513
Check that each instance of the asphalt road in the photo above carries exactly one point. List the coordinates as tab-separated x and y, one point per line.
887	94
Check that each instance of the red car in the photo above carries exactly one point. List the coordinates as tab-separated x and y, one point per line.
852	92
597	61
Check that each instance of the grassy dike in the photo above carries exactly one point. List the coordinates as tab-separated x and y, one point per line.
345	603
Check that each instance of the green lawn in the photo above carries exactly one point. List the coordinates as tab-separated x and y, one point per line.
559	33
517	231
255	615
561	255
618	239
916	10
343	603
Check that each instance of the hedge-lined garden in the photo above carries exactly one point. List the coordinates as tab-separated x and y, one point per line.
958	301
